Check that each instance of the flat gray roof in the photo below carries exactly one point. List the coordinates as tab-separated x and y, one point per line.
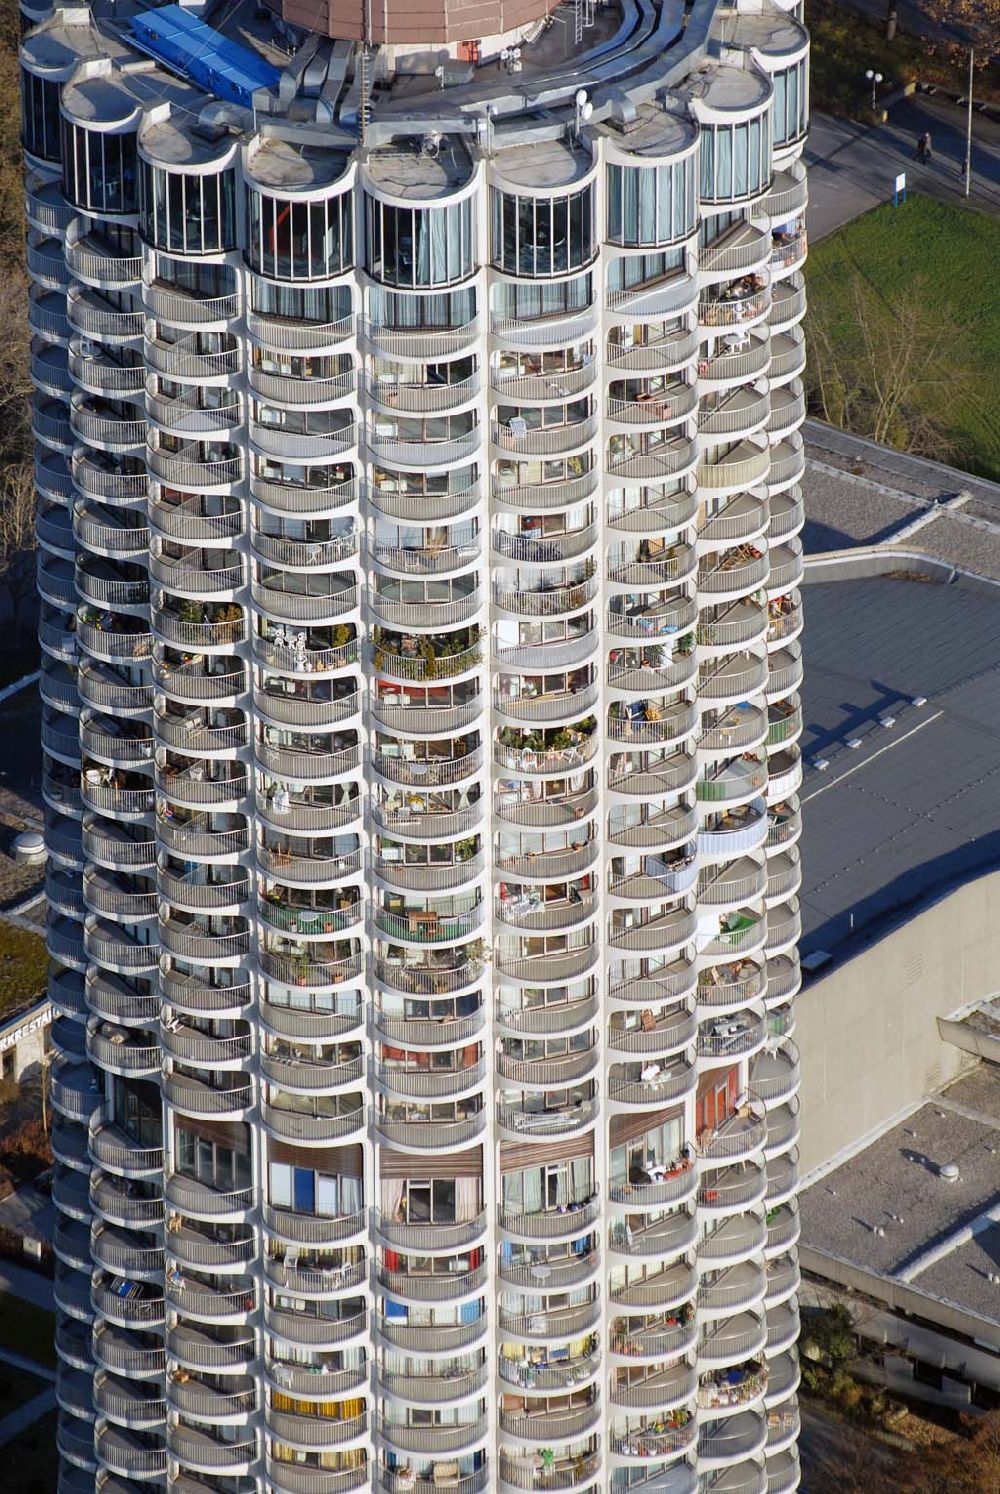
894	1185
915	808
858	493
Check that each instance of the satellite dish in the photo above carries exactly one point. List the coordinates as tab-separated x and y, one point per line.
587	110
581	97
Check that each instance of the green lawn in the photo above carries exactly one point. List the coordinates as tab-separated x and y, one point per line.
31	1461
935	258
28	1330
17	1388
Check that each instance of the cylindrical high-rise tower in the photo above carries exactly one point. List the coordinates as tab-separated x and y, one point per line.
417	466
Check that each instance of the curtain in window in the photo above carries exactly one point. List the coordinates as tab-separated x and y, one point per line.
392	1197
707	185
755	172
466	1199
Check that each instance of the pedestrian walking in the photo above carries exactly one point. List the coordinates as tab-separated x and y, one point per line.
924	146
927	146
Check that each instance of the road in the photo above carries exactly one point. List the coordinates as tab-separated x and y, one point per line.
852	166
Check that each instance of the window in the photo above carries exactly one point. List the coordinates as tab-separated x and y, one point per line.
419	246
651	204
543	235
309	1192
790	103
401	313
187	213
99	171
212	1163
300	303
300	240
554	1185
735	159
40	116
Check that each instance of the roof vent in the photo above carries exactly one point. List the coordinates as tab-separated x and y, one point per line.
29	848
821	764
918	700
949	1171
854	743
887	721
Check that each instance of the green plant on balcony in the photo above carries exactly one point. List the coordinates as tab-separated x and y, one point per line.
191	611
225	612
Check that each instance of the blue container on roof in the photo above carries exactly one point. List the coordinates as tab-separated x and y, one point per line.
188	46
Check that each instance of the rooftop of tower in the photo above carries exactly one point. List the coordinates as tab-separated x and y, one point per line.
643	64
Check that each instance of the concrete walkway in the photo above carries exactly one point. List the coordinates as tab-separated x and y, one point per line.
25	1416
852	166
30	1286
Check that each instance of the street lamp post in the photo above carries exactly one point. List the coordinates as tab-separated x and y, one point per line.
874	79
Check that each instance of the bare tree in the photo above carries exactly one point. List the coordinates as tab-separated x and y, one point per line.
17	536
887	371
963	24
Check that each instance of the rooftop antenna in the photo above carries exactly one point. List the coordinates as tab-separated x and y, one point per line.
584	109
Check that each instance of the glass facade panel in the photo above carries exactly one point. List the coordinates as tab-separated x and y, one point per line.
300	240
99	171
40	116
651	204
419	246
186	213
419	313
299	303
735	159
791	102
543	235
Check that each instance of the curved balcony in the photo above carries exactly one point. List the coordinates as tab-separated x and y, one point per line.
539	1423
738	412
740	1338
656	1034
431	1238
563	1223
194	1097
655	462
126	1353
728	1442
731	1189
788	304
128	1453
195	1350
654	1445
657	354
